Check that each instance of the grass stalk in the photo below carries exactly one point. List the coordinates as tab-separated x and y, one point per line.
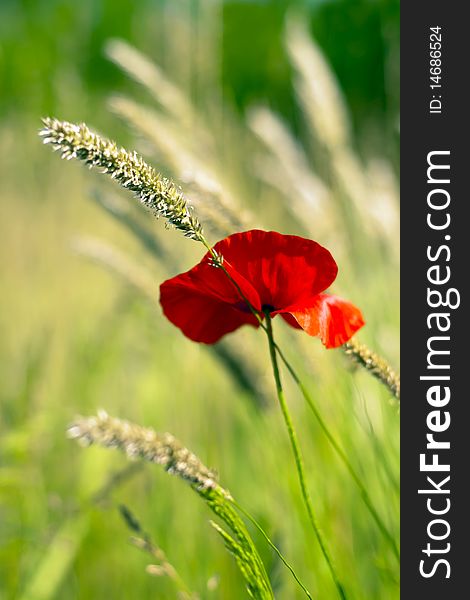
299	463
273	546
342	454
142	540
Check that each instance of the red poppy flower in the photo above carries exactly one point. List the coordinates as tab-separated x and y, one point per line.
284	274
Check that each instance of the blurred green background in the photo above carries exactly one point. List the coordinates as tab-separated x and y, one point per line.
79	334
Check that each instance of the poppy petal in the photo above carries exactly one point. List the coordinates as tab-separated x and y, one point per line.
205	304
330	318
285	270
288	318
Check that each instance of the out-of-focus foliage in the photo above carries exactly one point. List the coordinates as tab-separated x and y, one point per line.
75	337
52	52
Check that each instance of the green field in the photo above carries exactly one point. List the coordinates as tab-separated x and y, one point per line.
275	115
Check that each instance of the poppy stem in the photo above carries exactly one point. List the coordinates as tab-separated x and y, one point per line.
342	454
298	457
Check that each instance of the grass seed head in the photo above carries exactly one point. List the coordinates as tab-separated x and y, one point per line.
157	193
146	444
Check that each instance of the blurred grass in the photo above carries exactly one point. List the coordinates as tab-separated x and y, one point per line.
74	337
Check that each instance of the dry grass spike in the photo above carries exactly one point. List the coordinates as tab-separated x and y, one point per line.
375	364
157	193
143	443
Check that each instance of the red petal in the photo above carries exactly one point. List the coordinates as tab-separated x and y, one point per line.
285	270
205	304
331	318
288	318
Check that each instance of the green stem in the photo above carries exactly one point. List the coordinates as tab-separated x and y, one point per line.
341	453
298	457
272	545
